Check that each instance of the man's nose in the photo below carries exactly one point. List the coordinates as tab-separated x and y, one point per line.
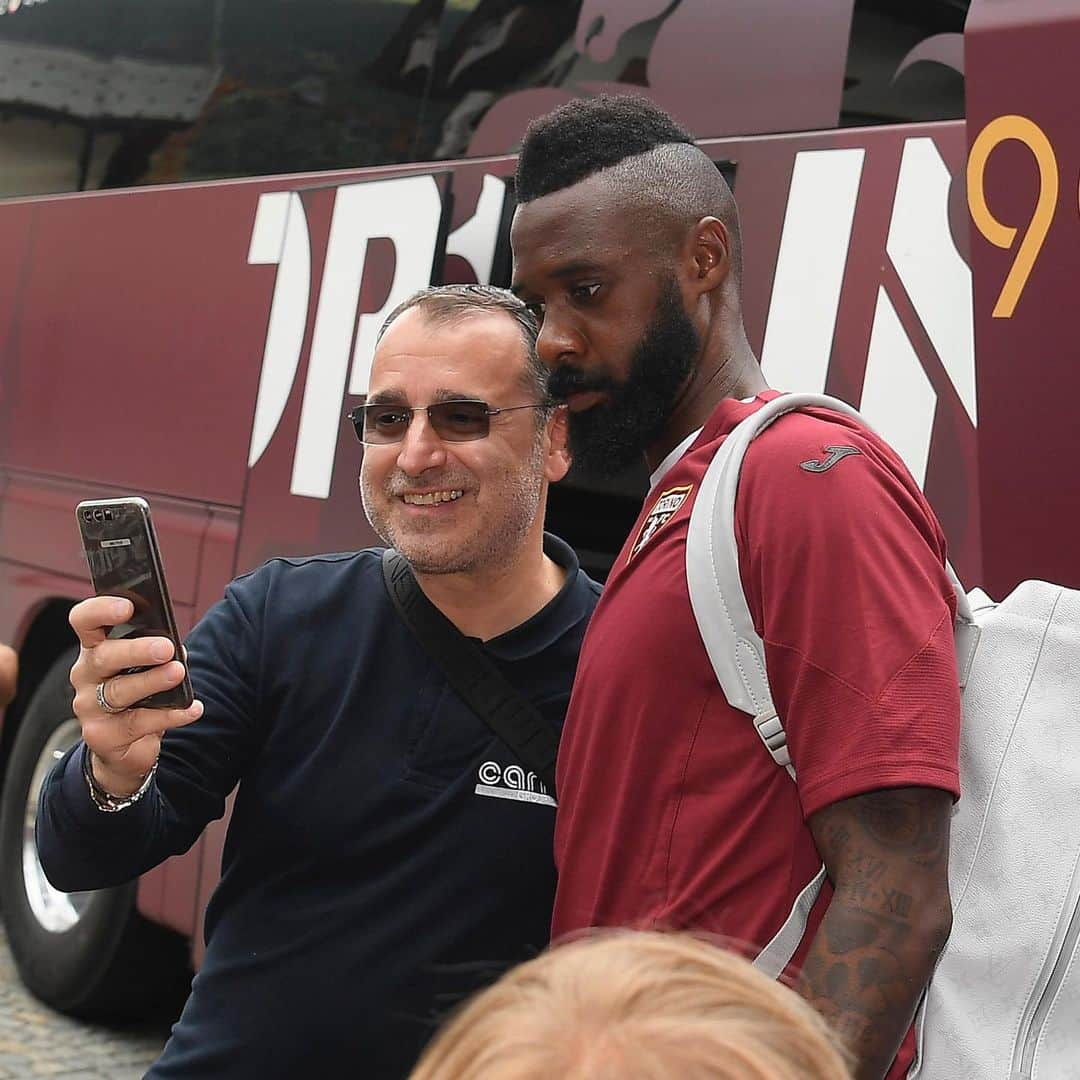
421	448
559	342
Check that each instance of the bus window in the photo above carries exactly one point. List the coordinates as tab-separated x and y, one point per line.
721	67
122	92
88	90
905	62
488	50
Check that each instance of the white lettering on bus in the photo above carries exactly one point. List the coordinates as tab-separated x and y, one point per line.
405	211
898	398
280	235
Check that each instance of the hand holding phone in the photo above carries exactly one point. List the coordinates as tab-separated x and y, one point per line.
129	685
122	553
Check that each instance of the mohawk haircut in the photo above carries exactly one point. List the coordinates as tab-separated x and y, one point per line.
586	135
665	181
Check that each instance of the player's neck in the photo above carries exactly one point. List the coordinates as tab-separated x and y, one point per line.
728	369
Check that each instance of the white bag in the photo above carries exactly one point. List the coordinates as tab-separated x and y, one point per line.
1004	1001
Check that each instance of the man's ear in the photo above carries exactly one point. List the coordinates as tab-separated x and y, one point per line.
709	255
558	460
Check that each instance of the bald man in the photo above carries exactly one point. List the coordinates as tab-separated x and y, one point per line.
672	812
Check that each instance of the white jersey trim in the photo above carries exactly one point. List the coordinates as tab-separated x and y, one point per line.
681	449
673	457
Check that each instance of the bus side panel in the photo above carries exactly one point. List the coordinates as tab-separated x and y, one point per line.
1022	94
168	893
16	223
39	536
139	341
38	529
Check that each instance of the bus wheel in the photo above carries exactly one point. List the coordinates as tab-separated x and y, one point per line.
88	954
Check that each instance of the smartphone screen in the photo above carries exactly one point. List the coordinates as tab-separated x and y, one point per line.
122	554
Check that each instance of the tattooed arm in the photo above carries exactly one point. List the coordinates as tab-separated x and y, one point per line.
886	854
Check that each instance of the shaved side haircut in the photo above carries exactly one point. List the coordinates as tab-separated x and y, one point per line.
589	134
663	178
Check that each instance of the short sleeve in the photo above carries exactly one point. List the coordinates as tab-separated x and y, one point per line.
842	562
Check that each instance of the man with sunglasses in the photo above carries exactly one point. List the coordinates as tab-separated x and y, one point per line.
387	853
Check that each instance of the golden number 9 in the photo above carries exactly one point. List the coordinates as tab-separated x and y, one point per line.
1031	135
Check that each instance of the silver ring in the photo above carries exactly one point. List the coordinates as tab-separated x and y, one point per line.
103	701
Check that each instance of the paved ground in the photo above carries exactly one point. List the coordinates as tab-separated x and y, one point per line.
35	1041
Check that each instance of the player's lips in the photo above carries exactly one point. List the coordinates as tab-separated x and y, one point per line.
580	400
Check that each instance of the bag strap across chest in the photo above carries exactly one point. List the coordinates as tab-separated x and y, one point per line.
477	681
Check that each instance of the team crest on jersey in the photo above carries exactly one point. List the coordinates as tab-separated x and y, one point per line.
662	512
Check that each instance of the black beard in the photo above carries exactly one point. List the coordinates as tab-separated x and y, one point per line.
610	437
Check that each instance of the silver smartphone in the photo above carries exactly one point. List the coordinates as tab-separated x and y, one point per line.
122	554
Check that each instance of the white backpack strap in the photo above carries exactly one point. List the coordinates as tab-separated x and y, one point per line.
712	575
966	629
736	652
778	953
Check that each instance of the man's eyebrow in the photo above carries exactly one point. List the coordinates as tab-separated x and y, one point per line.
456	395
574	269
567	270
392	396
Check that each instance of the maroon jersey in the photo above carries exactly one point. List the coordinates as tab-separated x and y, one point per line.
671	811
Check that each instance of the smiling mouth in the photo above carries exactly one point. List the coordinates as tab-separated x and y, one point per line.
431	498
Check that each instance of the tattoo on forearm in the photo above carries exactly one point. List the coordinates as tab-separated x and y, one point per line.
898	820
897	903
871	958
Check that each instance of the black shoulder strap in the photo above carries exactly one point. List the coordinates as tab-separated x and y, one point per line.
476	679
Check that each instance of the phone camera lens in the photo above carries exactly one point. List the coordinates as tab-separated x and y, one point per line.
97	515
108	515
86	515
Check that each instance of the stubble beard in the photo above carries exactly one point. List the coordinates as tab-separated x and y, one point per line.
491	544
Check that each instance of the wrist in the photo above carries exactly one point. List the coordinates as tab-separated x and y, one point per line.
117	785
112	794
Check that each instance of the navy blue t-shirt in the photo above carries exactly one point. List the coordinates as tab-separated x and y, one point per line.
386	855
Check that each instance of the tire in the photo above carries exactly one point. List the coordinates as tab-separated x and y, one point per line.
90	955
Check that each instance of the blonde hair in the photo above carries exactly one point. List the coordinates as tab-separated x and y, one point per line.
630	1005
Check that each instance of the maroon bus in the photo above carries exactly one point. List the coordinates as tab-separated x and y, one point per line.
207	207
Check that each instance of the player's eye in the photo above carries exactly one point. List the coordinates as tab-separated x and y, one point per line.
586	292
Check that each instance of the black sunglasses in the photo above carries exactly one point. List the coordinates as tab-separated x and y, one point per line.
453	421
